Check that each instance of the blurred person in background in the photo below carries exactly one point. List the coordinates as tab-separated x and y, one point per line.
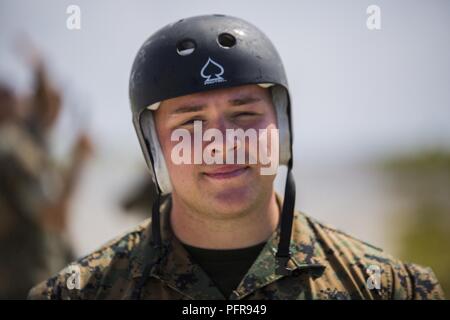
35	191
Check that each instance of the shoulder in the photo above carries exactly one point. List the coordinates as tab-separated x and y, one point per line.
393	278
93	272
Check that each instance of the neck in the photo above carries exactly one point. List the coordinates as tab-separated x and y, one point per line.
206	231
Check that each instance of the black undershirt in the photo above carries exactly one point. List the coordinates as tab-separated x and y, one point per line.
225	267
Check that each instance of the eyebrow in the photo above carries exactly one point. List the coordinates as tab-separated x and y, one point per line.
189	108
243	100
199	107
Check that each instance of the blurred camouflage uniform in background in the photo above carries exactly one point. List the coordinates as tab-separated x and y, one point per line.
34	192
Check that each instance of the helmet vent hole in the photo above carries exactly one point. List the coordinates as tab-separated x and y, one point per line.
185	47
226	40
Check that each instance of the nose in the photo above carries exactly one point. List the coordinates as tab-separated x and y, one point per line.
227	145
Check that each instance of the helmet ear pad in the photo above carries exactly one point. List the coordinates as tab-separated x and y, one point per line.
281	102
155	158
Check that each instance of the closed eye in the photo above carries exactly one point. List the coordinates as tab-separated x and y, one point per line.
245	114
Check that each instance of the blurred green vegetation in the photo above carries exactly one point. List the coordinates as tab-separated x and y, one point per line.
421	181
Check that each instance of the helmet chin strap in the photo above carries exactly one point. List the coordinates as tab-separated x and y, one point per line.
156	225
287	215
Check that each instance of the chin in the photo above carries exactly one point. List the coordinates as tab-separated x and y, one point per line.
233	201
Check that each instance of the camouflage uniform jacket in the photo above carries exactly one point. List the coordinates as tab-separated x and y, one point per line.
326	264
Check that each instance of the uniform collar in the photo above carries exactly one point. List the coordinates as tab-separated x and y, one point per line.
174	266
304	255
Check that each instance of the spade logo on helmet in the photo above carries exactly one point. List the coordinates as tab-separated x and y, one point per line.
210	69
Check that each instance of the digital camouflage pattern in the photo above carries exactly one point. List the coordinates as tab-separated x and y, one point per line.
326	264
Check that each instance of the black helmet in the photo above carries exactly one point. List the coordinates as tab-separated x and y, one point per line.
203	53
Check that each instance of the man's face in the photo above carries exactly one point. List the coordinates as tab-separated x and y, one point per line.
221	190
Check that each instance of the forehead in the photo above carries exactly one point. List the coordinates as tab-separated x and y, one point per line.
227	93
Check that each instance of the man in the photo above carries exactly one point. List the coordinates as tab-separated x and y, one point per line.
218	230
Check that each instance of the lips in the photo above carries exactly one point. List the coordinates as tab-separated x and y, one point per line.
226	172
